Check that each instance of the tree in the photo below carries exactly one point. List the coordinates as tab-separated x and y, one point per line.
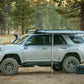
23	14
5	12
74	8
54	18
82	15
45	15
2	27
71	12
2	24
40	11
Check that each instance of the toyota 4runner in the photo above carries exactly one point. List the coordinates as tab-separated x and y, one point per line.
64	48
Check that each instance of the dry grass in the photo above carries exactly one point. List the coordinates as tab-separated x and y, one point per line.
6	39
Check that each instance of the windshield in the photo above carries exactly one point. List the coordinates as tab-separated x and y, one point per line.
21	39
76	39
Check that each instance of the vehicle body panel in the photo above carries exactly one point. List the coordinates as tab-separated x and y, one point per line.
42	53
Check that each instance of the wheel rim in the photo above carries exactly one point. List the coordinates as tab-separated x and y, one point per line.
71	65
9	67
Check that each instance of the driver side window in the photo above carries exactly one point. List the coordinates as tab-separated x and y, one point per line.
32	40
40	40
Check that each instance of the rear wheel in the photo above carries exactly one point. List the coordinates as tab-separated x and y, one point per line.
70	63
9	66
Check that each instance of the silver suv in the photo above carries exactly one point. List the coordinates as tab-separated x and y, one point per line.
64	49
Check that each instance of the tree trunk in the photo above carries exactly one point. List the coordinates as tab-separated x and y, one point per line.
38	16
8	30
22	27
8	8
82	15
39	21
4	29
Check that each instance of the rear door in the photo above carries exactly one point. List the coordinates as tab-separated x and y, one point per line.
59	48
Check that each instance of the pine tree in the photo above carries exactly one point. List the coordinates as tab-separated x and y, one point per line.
2	17
73	9
54	18
23	14
5	7
40	11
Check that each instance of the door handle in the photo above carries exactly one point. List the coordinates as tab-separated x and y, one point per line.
63	47
44	48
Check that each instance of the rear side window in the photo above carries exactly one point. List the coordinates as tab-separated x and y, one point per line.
76	39
58	39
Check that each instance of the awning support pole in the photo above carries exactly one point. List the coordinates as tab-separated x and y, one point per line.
52	55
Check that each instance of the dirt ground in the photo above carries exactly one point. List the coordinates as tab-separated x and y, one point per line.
41	75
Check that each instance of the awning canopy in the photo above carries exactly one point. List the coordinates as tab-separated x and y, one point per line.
61	31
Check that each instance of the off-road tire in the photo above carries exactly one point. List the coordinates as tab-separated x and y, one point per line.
9	66
69	64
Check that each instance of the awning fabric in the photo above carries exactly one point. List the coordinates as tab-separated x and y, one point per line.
61	31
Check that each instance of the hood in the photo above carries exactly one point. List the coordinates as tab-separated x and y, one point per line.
10	47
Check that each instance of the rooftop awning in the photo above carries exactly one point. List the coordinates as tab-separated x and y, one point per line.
61	31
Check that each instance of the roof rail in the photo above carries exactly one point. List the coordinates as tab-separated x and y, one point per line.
30	31
36	31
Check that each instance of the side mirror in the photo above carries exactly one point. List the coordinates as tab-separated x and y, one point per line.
27	43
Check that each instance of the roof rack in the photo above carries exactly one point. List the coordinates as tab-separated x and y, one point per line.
30	31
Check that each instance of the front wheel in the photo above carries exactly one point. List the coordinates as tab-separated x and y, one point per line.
70	63
9	66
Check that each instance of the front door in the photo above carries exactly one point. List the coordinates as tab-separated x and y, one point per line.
37	50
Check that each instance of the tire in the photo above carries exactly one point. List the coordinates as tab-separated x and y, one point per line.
57	67
69	64
9	66
0	68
